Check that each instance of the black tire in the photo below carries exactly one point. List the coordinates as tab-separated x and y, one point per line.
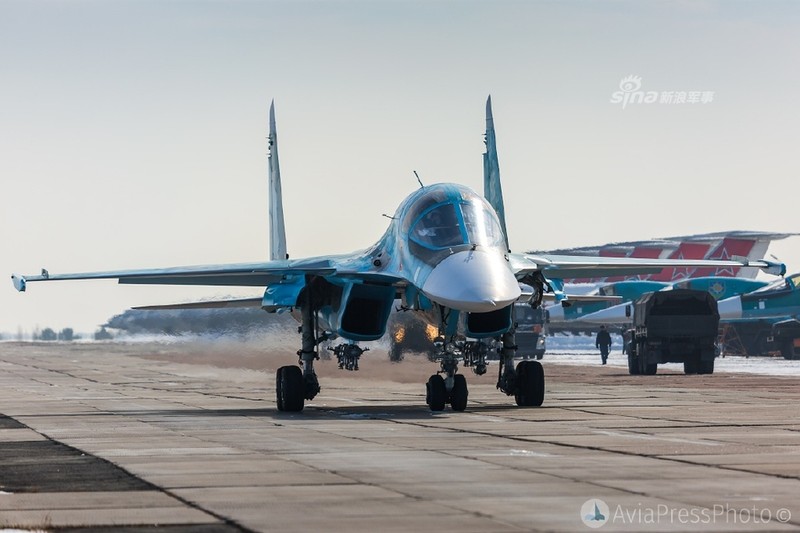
279	388
633	365
437	393
787	349
530	384
645	368
705	367
458	396
290	389
691	366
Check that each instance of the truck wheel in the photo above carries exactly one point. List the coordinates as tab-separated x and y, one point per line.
706	367
633	365
645	368
787	349
691	366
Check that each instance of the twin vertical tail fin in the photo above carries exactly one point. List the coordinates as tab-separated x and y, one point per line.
277	229
492	190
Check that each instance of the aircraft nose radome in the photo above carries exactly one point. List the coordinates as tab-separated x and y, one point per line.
730	308
473	281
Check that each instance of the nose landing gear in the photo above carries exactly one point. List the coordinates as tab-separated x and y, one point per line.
453	389
438	396
526	381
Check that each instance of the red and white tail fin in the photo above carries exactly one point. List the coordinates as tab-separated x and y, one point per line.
686	250
729	247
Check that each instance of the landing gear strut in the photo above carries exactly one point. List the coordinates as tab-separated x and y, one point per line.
294	384
526	381
451	389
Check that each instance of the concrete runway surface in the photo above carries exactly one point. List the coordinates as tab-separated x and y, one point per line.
186	437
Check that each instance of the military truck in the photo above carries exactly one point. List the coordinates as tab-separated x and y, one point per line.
674	326
530	334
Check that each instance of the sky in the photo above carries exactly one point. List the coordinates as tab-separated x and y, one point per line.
133	133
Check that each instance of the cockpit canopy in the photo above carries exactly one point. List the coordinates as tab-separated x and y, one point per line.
788	283
468	220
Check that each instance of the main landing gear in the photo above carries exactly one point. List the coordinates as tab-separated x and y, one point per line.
295	384
526	381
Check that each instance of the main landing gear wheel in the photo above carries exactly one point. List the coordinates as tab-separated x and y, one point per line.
290	388
437	393
458	396
530	384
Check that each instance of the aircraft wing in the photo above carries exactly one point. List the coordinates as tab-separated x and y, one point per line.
576	266
205	304
561	297
582	298
241	275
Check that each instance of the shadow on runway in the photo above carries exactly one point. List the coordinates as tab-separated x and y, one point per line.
411	411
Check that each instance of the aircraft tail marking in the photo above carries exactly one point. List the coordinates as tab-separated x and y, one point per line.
686	250
277	229
729	247
492	190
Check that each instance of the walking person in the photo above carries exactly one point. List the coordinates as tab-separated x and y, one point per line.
603	341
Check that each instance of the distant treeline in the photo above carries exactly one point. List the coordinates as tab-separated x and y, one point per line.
49	334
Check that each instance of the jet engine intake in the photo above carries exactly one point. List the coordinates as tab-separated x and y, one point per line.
491	324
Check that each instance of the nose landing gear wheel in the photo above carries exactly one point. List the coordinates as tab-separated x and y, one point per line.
436	397
530	384
458	396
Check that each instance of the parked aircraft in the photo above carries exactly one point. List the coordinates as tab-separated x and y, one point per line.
619	313
719	245
575	309
767	319
719	287
445	255
753	244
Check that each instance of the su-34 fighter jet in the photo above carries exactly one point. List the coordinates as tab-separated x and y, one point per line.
445	255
